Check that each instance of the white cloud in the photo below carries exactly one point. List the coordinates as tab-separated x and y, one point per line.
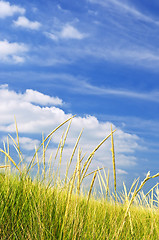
18	59
121	172
4	86
30	96
39	98
36	119
67	32
12	52
6	9
28	143
26	23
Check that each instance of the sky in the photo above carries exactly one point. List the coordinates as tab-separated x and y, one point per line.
98	59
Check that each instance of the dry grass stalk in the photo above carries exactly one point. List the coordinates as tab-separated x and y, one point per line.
91	187
58	149
150	191
63	142
113	160
100	184
90	157
102	180
9	157
107	181
44	161
99	169
68	202
38	162
78	171
6	166
69	164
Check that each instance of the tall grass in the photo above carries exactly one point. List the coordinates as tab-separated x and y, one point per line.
51	207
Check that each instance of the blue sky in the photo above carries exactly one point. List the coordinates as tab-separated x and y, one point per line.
98	59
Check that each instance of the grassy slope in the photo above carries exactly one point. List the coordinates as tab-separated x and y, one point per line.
30	210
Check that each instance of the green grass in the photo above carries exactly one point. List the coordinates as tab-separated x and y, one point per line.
49	208
29	210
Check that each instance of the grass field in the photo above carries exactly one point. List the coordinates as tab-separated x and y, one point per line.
47	207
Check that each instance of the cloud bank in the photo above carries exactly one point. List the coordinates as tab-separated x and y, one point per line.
34	119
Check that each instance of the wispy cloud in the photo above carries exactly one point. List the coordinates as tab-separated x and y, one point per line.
130	50
26	23
134	55
84	86
126	8
7	10
80	85
130	35
12	52
51	36
88	88
136	13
